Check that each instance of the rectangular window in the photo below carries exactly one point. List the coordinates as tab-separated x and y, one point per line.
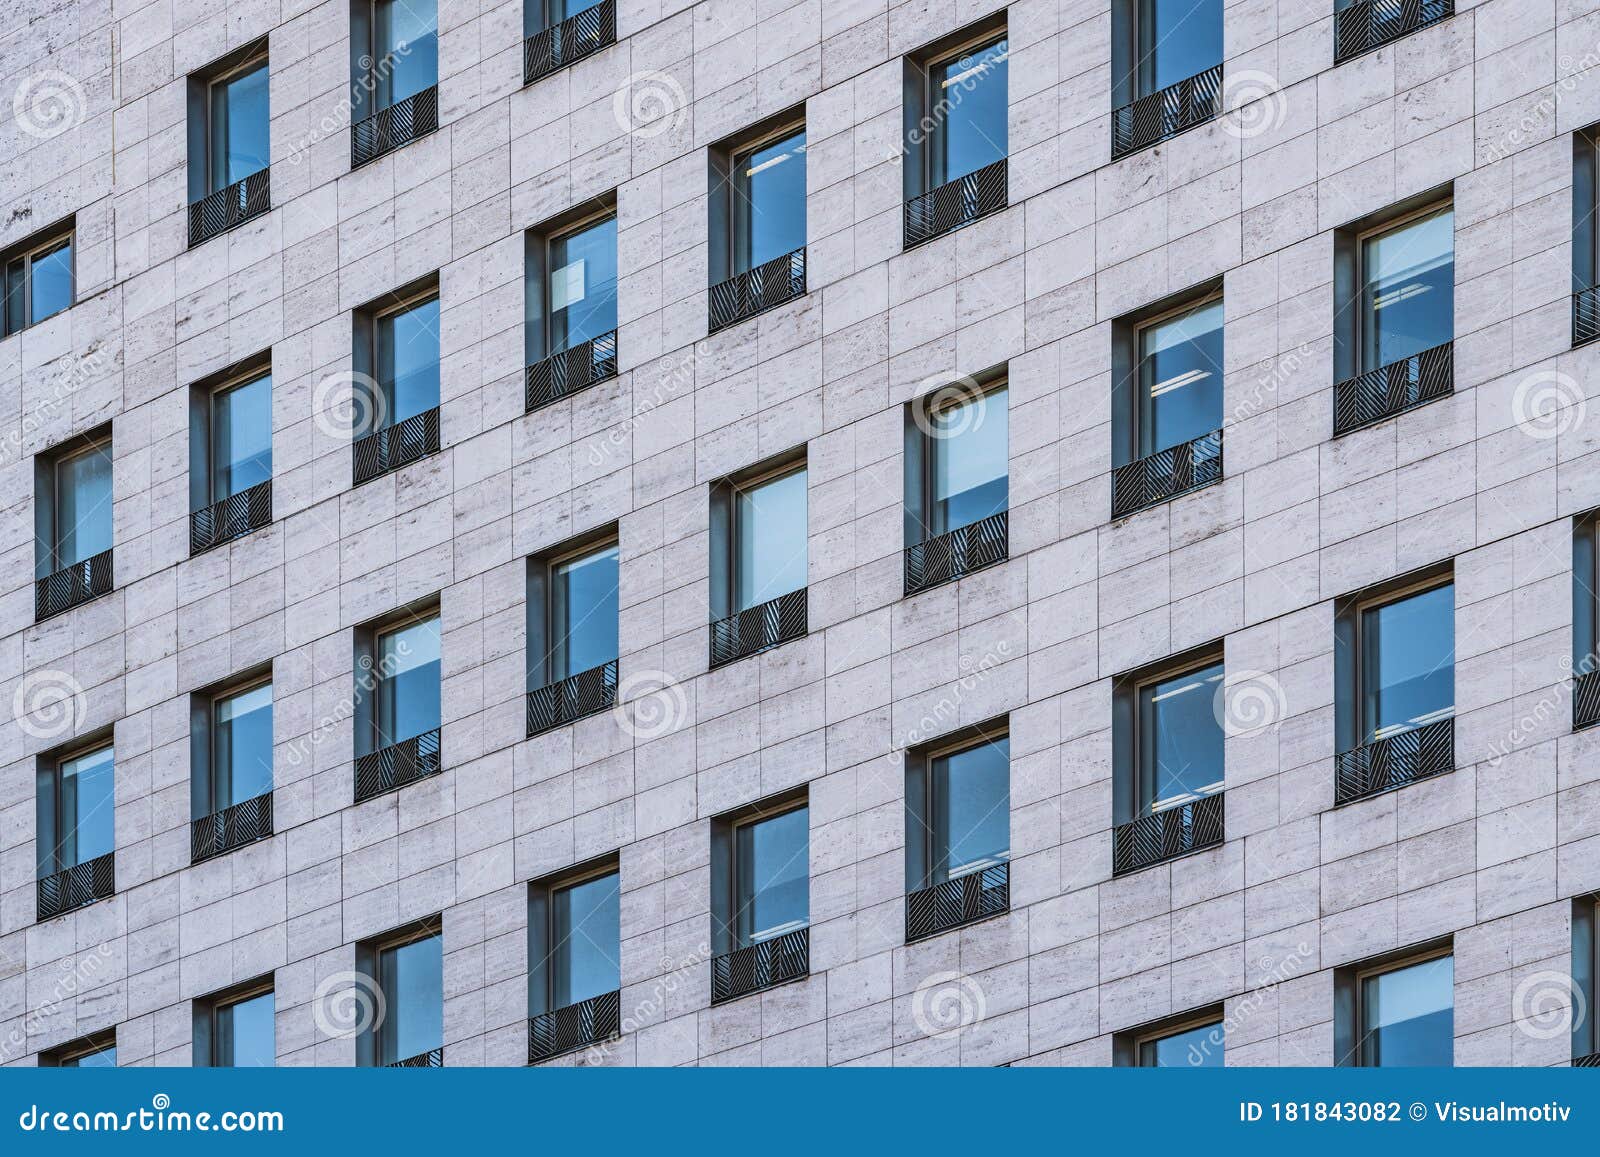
241	738
1180	377
96	1052
1407	1014
1180	741
1585	972
769	532
967	114
969	809
238	1031
406	361
77	812
583	612
237	131
408	679
585	932
969	458
771	876
1176	39
1407	662
79	526
1195	1046
411	977
1407	278
38	278
768	202
239	425
405	49
581	293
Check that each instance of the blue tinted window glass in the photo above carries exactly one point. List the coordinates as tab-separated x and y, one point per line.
771	876
241	433
583	285
413	986
406	40
968	112
1200	1047
87	816
588	944
1178	38
1409	296
971	809
408	361
969	446
1408	662
408	682
769	206
586	613
51	285
1408	1016
243	747
1180	378
250	1033
770	535
105	1058
83	506
564	9
239	123
1181	740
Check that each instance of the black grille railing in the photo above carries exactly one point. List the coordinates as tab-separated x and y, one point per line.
562	374
1392	389
72	585
76	886
389	128
954	903
1166	474
234	517
571	40
1167	834
758	966
232	827
577	1025
1586	699
390	768
1585	315
432	1059
392	447
956	203
957	553
586	693
219	211
1167	112
1373	23
762	626
1592	1061
767	286
1396	761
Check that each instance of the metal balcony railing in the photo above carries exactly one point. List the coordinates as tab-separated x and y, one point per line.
1592	1061
1586	699
767	286
232	827
1393	389
586	693
565	373
956	203
1585	315
1395	761
1167	834
390	128
956	554
233	517
221	210
553	48
393	767
765	625
1166	112
77	886
958	902
432	1059
1371	24
1166	474
72	586
384	451
760	966
576	1026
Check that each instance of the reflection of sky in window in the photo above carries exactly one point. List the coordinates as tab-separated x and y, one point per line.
1200	1047
239	113
254	1032
587	940
51	282
972	809
1408	662
583	285
83	506
241	429
771	540
1178	38
971	133
244	742
408	360
1182	741
407	43
970	459
1410	292
1181	399
586	612
413	984
772	866
408	688
88	814
105	1058
1409	1015
770	201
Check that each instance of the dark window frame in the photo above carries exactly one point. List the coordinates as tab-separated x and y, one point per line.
727	244
372	1040
1128	723
202	423
1351	679
920	162
538	245
1586	595
921	463
1585	973
367	345
544	656
1128	1045
725	869
1132	54
921	804
48	490
724	525
203	734
17	279
204	87
542	946
1128	386
1585	206
1349	982
367	714
77	1048
48	811
211	1035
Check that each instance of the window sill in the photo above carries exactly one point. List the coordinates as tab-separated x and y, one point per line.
398	765
958	903
1167	835
758	967
577	1026
1166	474
1166	113
1394	762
